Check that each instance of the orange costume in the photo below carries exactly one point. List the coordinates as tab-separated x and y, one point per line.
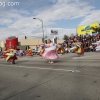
79	50
29	52
60	49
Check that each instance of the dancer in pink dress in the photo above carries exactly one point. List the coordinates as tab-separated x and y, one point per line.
50	52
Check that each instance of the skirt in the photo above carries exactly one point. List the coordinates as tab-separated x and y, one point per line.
51	55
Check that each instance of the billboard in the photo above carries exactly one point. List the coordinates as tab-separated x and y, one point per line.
54	32
83	30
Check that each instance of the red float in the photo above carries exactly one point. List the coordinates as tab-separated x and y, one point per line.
12	42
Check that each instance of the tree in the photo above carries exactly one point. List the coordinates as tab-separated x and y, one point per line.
96	29
65	37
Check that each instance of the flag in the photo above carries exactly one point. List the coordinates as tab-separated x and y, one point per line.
54	32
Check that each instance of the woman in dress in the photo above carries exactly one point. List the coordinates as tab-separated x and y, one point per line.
10	56
50	52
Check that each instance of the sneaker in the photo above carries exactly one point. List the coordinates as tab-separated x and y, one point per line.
69	51
51	62
11	63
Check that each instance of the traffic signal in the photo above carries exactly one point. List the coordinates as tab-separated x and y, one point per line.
25	37
43	40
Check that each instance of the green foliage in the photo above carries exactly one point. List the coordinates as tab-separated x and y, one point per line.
65	37
96	29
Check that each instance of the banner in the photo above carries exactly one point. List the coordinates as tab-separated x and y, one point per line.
54	32
83	30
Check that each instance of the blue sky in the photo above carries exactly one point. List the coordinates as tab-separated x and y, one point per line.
62	15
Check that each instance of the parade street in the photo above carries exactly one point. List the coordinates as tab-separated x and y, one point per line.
69	78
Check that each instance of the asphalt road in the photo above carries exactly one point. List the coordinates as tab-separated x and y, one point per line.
69	78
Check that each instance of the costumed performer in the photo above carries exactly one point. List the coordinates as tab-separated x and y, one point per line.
42	49
1	54
80	50
10	56
29	52
20	52
50	52
60	49
77	48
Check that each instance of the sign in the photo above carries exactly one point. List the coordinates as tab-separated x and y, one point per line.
83	30
54	32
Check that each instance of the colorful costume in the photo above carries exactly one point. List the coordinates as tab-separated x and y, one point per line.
10	56
42	49
77	49
98	45
1	55
20	53
29	52
60	49
50	52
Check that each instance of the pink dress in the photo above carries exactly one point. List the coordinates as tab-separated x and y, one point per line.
50	52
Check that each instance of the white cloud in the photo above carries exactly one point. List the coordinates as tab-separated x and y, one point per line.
92	18
64	10
21	23
4	21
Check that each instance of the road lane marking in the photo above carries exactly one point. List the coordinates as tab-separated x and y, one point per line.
85	58
48	69
96	57
40	68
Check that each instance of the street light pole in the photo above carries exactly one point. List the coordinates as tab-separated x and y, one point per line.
42	27
45	31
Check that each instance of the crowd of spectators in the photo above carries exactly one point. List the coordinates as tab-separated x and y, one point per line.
86	41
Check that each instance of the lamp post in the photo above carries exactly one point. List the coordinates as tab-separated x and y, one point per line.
45	32
42	27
